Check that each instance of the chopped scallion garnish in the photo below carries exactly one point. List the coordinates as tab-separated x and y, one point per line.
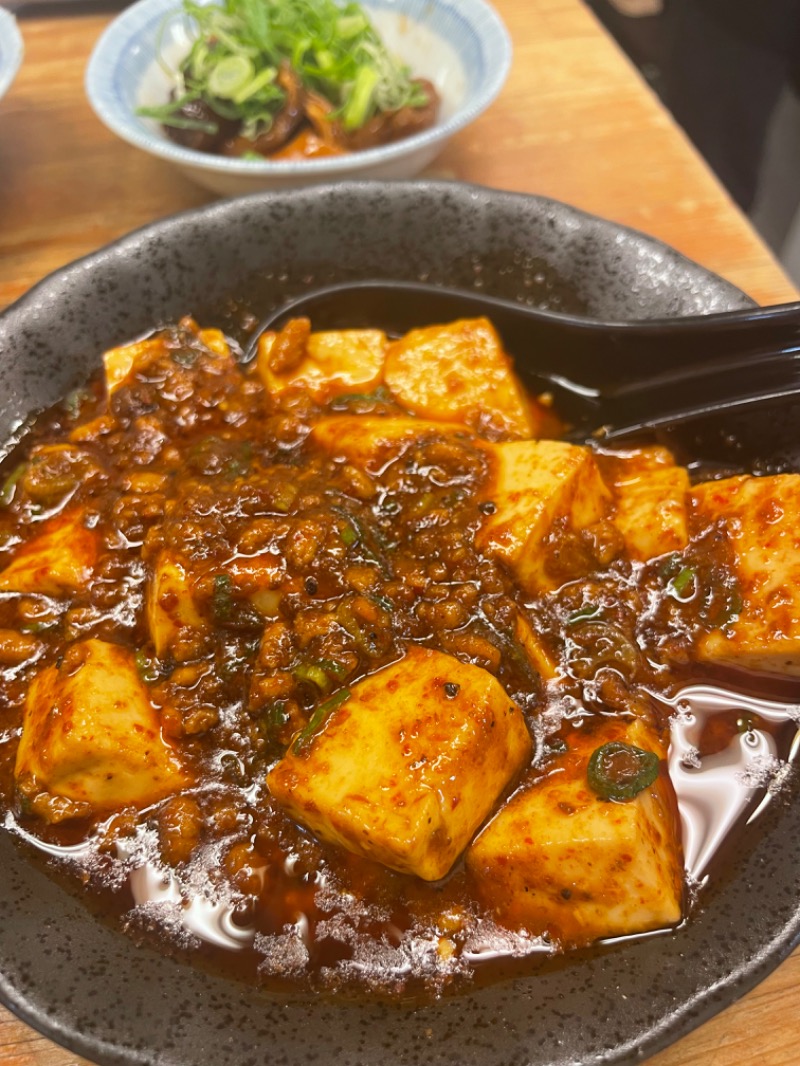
620	771
319	716
240	45
682	580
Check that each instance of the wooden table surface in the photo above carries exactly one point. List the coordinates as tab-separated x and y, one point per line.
575	122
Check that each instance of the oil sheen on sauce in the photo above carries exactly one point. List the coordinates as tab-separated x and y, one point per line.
730	754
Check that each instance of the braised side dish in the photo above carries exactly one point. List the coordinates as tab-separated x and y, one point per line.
290	79
341	663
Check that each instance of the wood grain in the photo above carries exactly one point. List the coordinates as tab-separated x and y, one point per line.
575	122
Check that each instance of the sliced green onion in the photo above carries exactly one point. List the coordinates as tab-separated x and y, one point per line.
230	76
272	720
255	85
332	48
586	613
315	674
383	602
682	580
348	534
351	25
283	496
147	667
356	110
380	395
318	717
330	666
169	115
222	599
74	401
325	60
9	488
619	771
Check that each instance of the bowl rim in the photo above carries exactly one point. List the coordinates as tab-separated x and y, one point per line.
493	39
48	286
10	32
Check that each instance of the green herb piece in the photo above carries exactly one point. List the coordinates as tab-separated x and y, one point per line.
169	115
222	599
319	715
382	601
671	565
240	45
239	465
380	395
682	580
348	534
256	84
588	612
74	401
330	666
314	674
283	496
273	719
619	771
40	627
359	103
8	491
350	26
147	666
230	76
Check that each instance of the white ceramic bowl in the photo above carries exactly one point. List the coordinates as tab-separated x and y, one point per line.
460	45
11	50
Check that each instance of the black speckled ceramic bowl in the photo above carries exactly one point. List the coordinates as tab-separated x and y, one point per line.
86	985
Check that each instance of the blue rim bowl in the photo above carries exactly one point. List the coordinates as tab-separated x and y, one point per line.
472	38
11	50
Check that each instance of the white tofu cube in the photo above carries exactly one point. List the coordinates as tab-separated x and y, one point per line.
652	503
369	441
334	363
760	519
407	769
90	733
120	362
561	860
57	561
170	603
533	484
536	651
459	373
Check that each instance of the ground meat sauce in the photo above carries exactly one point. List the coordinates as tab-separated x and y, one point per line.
193	453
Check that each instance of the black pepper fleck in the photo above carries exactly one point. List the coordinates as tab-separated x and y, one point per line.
451	689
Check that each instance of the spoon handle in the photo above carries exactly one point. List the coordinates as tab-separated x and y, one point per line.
624	376
591	353
669	400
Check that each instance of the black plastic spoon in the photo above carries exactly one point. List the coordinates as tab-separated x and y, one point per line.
617	378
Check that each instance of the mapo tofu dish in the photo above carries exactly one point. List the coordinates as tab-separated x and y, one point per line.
341	667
